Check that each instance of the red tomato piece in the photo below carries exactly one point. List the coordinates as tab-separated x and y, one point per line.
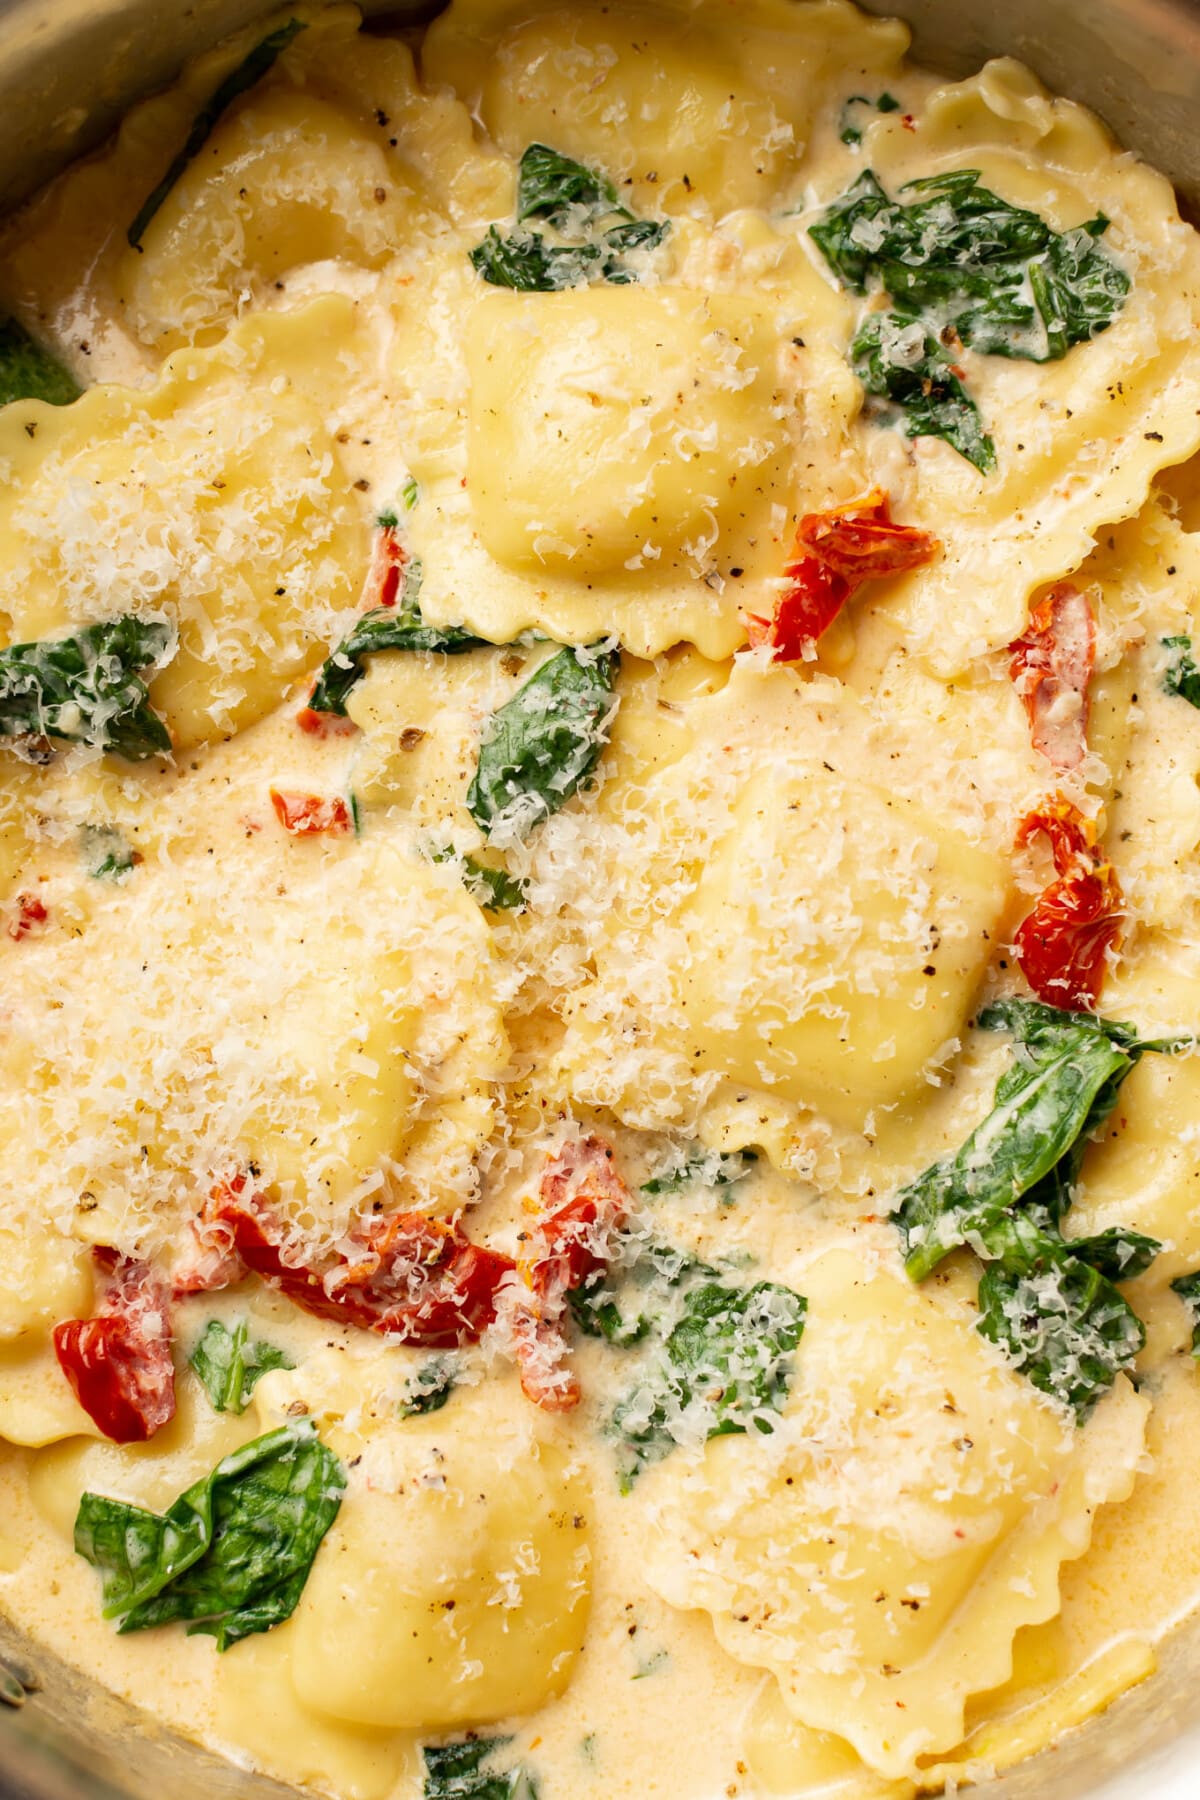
324	724
840	550
407	1276
1051	668
389	559
1062	946
582	1202
862	542
119	1362
31	912
305	814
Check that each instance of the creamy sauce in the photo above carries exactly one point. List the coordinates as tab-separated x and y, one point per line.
765	923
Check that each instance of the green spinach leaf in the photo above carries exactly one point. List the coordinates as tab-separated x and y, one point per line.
29	372
726	1366
430	1388
1181	675
1188	1289
1059	1320
1118	1253
85	688
550	185
544	743
701	1168
575	200
230	1366
107	853
961	266
1043	1105
231	1555
462	1772
248	73
398	627
911	377
494	888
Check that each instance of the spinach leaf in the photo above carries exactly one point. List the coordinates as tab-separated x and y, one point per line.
430	1388
29	372
398	627
1181	676
107	854
549	185
84	688
625	1301
961	266
903	365
574	199
248	73
460	1772
701	1168
1118	1253
232	1554
1042	1106
544	743
494	888
725	1366
1061	1322
1188	1289
230	1366
526	262
851	129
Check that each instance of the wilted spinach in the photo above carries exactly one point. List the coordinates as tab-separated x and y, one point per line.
544	743
29	372
231	1366
85	688
462	1772
399	627
575	200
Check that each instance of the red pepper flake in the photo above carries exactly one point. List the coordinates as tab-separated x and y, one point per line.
30	914
1051	667
840	550
1063	944
582	1202
119	1361
305	814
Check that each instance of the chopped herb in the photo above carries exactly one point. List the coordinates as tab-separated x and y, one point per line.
232	1554
1181	676
386	520
851	128
544	743
85	688
398	627
230	1366
574	199
410	493
887	103
430	1388
1188	1289
961	266
248	73
29	372
724	1367
106	853
657	1659
461	1772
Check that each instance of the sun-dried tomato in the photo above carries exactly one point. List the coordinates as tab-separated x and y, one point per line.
839	550
582	1201
31	912
1051	666
119	1361
305	814
1063	944
405	1276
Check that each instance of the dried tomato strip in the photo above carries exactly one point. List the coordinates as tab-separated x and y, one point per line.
31	912
1063	944
409	1277
1051	668
582	1201
305	814
840	550
119	1361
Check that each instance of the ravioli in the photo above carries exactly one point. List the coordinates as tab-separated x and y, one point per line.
914	1491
